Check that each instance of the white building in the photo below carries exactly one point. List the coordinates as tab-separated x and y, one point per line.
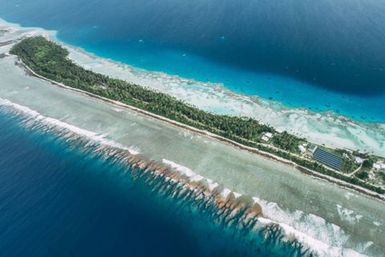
302	148
379	165
358	160
267	136
312	148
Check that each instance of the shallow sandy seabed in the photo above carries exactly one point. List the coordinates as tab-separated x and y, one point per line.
333	220
323	128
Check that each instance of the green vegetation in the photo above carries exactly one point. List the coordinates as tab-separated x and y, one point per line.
368	164
287	142
381	174
362	175
50	61
348	166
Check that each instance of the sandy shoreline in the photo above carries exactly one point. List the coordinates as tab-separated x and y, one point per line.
327	128
18	86
216	137
318	210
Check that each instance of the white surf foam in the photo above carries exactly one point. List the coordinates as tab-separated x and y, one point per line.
102	139
225	192
195	177
313	231
134	150
310	230
184	170
325	238
348	215
237	195
323	128
212	185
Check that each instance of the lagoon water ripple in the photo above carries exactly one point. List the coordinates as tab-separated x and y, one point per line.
286	51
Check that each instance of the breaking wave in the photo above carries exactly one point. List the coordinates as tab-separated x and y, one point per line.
329	128
263	225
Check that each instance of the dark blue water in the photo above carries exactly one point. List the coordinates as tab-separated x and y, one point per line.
288	51
59	200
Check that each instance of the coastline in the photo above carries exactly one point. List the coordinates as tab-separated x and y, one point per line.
230	203
30	86
302	169
84	162
329	128
326	127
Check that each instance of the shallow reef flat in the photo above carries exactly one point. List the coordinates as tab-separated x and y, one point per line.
329	219
327	128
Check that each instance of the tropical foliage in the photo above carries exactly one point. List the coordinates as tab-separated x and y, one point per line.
50	60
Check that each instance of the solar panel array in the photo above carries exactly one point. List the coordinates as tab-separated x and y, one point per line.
328	159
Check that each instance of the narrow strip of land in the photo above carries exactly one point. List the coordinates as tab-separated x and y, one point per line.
46	60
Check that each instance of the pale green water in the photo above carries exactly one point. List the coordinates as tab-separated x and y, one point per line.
330	214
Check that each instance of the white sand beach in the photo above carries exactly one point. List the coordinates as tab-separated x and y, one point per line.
347	223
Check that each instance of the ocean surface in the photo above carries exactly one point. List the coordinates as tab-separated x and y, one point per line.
59	200
327	218
321	55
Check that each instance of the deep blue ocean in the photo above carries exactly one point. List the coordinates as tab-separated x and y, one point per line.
322	55
59	199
